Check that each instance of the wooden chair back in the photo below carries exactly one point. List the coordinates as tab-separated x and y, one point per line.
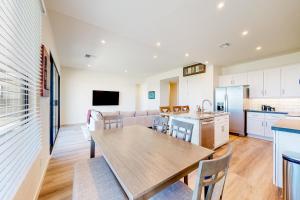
160	124
182	130
165	109
185	108
176	108
212	175
113	121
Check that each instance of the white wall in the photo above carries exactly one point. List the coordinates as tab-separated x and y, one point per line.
277	61
31	185
76	93
191	90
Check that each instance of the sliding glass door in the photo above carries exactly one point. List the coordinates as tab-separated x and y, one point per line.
54	102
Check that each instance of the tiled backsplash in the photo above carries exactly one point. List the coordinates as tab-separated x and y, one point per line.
281	105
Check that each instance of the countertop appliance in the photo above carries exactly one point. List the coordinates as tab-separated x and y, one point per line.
232	100
208	133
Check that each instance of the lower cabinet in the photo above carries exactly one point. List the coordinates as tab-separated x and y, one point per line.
221	130
260	124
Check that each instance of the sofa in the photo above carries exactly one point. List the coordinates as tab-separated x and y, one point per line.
129	118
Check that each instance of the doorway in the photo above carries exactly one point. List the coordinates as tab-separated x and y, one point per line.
54	102
169	91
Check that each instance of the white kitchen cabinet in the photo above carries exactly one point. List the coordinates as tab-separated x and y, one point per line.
221	130
256	84
270	120
225	80
272	83
255	124
260	124
233	80
290	81
239	79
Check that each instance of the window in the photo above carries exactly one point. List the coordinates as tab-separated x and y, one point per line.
20	141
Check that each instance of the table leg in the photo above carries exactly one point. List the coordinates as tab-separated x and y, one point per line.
92	152
186	179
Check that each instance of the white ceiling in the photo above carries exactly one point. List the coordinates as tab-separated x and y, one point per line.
131	29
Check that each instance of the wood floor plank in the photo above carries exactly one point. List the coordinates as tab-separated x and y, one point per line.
249	177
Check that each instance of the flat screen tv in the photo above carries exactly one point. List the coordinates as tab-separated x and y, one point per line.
105	98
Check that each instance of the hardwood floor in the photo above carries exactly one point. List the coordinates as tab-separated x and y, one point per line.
249	177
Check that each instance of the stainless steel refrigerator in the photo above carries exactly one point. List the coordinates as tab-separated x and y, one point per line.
232	100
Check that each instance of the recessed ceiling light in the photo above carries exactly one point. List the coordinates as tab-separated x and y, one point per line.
186	54
245	32
221	5
89	65
224	45
258	48
155	56
206	62
103	41
158	44
125	71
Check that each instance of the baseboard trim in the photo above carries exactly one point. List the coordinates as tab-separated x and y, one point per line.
37	193
260	137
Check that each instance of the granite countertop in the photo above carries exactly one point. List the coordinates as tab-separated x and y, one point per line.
287	125
263	111
197	115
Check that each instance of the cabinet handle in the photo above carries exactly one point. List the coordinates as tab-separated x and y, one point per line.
262	123
266	124
283	91
265	92
262	92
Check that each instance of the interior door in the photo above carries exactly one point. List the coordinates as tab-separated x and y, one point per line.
235	104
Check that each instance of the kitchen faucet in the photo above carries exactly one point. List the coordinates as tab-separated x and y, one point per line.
205	100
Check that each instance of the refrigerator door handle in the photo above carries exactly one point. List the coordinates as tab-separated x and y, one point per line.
226	103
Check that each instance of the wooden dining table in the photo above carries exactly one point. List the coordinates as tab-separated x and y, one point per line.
144	161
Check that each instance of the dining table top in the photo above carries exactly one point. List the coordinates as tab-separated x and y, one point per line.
144	161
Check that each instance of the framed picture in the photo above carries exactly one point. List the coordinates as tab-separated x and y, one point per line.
151	95
45	72
194	69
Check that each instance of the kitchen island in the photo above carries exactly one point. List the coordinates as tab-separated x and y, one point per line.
286	139
211	129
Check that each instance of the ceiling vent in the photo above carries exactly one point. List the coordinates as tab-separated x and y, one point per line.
88	55
224	45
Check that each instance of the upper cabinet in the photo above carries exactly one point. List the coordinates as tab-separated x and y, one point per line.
264	83
256	84
233	80
290	81
269	83
272	83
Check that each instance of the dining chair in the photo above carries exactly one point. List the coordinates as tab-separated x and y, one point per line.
176	108
181	130
185	108
211	178
113	121
165	109
160	124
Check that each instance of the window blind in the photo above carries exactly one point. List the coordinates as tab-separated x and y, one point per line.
20	141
